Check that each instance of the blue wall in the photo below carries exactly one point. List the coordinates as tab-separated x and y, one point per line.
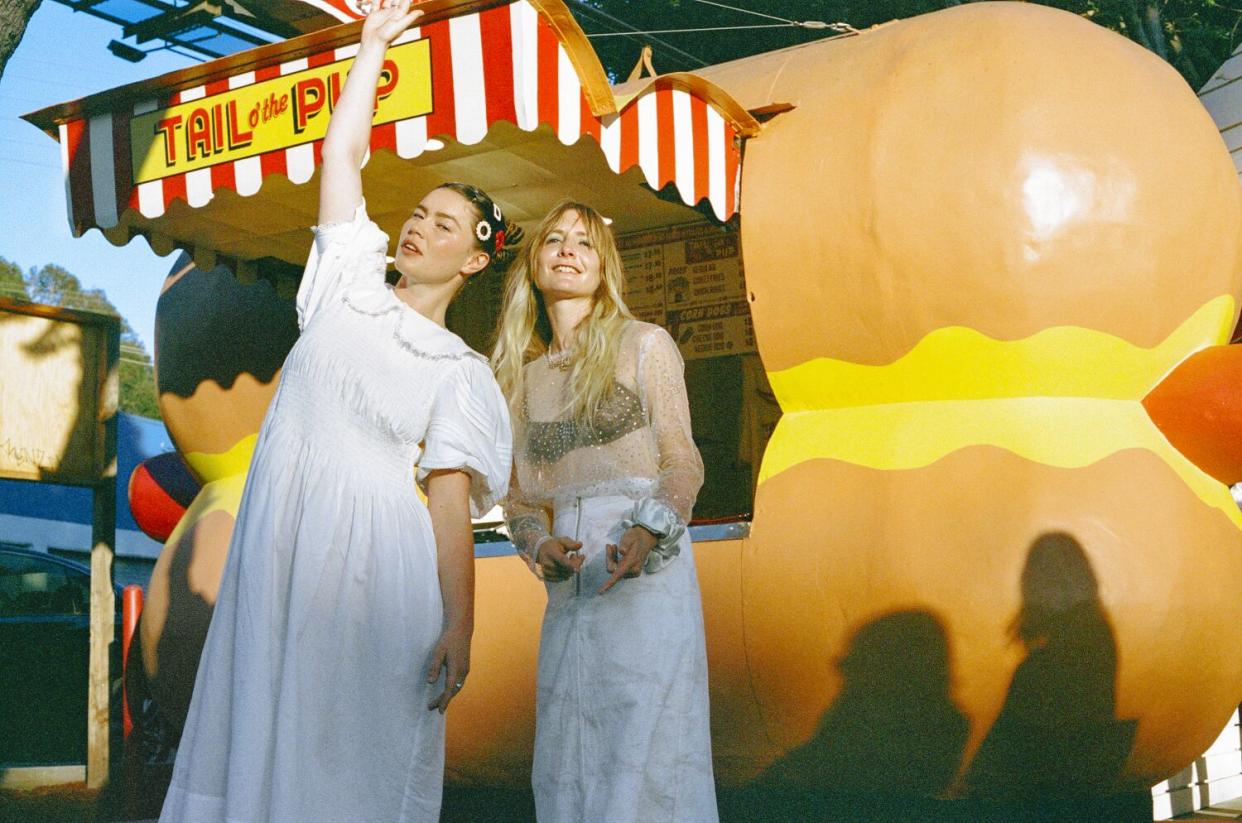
138	438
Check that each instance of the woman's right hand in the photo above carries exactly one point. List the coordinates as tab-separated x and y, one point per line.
559	558
387	21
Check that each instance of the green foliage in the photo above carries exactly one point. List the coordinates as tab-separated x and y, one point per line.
56	286
12	284
137	382
1195	37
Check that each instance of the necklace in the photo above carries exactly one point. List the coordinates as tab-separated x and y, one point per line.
561	360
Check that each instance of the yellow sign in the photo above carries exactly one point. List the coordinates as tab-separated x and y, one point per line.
273	114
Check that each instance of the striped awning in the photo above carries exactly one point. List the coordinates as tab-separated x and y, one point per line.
232	124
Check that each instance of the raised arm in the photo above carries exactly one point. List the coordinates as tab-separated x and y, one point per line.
349	130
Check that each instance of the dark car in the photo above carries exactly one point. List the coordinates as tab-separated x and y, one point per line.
44	659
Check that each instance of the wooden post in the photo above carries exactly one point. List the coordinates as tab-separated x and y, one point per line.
103	548
103	611
59	392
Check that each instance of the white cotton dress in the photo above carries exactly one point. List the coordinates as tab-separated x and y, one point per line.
310	702
622	729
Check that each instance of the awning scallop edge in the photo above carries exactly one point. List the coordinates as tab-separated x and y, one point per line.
525	62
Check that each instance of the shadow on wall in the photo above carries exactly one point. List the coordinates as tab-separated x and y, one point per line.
51	343
893	741
1057	727
894	729
174	626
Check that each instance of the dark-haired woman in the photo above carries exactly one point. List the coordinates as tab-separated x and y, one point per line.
343	623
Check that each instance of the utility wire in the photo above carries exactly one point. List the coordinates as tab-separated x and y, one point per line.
690	31
28	163
843	28
743	11
633	33
599	15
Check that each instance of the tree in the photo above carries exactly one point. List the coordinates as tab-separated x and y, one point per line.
56	286
12	284
1195	36
14	15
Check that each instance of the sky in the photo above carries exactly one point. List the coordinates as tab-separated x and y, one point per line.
63	56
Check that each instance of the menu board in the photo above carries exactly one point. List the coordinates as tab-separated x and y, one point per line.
689	280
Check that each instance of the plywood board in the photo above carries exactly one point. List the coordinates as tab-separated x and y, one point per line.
53	399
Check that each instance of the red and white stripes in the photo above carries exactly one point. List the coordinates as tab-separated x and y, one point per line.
505	63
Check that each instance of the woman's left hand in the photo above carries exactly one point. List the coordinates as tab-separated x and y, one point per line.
452	654
628	556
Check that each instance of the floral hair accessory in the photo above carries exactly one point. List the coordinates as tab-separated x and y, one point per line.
483	230
500	240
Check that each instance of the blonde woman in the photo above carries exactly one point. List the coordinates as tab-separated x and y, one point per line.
343	624
605	477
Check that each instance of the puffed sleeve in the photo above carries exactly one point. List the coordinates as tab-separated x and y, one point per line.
469	430
662	388
343	254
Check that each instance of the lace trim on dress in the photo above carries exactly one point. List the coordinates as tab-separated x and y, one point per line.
373	311
388	302
426	355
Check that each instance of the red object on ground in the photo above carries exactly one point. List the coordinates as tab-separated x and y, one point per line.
160	489
131	608
1199	409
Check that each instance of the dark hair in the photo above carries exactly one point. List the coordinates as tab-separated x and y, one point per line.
494	234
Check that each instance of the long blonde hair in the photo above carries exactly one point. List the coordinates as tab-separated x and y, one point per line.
525	331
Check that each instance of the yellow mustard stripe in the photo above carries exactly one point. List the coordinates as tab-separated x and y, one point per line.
958	363
220	495
1056	431
216	466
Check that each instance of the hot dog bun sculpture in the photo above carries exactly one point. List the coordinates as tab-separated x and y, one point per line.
218	350
993	255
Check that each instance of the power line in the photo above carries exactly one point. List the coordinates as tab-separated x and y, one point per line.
691	31
94	70
743	11
843	28
599	14
27	78
36	144
28	163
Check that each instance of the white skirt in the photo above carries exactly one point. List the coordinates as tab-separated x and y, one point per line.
622	729
310	704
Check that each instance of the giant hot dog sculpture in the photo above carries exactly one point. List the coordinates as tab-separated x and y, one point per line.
993	255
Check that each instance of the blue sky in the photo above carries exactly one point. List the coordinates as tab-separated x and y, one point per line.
64	56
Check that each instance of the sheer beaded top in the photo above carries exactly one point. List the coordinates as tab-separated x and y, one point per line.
639	444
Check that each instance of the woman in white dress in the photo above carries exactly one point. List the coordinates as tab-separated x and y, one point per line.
605	477
342	627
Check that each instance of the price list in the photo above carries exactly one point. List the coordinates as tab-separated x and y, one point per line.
689	280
